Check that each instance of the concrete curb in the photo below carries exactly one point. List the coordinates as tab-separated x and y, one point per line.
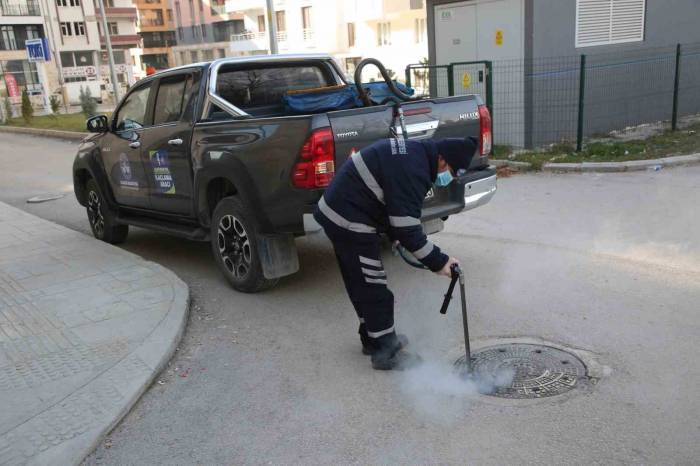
515	165
611	167
53	133
106	363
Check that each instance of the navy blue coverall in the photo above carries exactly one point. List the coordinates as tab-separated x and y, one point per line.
379	190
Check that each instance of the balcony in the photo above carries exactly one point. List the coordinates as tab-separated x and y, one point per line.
249	42
149	22
233	6
115	13
282	36
123	39
19	8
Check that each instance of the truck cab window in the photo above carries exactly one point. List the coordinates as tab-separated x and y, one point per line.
171	97
260	91
132	114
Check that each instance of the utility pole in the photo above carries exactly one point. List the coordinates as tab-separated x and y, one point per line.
110	56
272	23
48	20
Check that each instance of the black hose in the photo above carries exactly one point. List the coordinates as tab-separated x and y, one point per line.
364	96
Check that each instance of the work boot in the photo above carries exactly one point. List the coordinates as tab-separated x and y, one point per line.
399	361
369	345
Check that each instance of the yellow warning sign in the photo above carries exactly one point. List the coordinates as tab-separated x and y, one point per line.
499	37
466	80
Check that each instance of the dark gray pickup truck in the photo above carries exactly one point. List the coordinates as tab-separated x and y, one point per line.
210	152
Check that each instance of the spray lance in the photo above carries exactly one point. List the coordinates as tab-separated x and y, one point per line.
457	276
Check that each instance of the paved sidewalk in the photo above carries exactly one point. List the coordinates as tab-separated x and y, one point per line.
84	329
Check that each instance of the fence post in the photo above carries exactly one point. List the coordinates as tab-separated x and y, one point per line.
674	117
581	98
408	75
450	80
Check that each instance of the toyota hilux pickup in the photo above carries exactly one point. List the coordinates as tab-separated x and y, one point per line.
213	152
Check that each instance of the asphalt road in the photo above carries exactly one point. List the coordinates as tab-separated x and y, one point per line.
607	263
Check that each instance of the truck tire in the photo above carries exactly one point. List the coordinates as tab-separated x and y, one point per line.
102	221
233	235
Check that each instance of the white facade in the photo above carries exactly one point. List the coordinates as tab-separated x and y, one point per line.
394	31
76	38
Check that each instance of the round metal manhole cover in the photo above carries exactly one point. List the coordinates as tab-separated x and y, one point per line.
521	370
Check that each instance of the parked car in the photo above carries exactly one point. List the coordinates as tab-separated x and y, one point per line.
210	152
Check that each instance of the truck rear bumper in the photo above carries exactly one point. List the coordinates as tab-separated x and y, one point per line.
476	193
479	192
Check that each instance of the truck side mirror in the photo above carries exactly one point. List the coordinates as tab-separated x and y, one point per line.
98	124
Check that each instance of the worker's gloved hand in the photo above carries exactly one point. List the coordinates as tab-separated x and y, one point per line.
447	269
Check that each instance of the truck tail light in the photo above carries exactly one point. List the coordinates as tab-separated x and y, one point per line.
486	135
316	165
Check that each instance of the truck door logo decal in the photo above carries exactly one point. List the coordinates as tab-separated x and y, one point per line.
161	171
125	180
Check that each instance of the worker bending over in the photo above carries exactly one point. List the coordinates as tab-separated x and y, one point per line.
381	189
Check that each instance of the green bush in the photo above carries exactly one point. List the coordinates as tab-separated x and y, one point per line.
27	109
8	108
55	103
87	103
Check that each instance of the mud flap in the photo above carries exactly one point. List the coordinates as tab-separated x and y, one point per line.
278	255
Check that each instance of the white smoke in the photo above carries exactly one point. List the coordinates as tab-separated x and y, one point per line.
440	392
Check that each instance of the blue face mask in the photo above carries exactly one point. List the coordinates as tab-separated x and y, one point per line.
443	179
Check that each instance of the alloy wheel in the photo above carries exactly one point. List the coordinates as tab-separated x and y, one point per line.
234	246
94	208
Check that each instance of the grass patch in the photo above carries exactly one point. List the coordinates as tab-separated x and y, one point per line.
681	142
65	122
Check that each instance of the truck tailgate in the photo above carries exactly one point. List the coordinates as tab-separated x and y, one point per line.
432	118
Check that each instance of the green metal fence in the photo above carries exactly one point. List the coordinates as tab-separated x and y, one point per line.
572	99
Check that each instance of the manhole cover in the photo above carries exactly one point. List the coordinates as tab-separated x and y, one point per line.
521	370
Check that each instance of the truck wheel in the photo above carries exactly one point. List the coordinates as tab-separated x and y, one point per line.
102	222
233	241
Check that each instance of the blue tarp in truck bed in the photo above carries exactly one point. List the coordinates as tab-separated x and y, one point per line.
338	98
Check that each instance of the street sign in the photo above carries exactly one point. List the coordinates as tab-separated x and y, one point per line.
38	50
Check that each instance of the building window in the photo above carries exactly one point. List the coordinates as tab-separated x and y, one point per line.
420	31
61	2
191	11
33	32
193	56
74	2
113	29
66	29
351	34
151	17
201	6
79	28
261	23
306	17
603	22
109	3
70	59
169	15
281	21
8	38
383	34
183	57
222	53
203	30
24	72
208	54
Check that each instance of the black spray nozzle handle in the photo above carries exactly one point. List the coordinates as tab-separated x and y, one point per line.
457	274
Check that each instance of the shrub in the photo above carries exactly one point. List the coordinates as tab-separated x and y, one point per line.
87	103
8	109
27	109
55	103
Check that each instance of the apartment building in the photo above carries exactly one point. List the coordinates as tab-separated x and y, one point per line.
77	45
157	29
204	30
393	31
19	21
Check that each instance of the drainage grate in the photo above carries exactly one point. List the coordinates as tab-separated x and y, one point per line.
536	371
